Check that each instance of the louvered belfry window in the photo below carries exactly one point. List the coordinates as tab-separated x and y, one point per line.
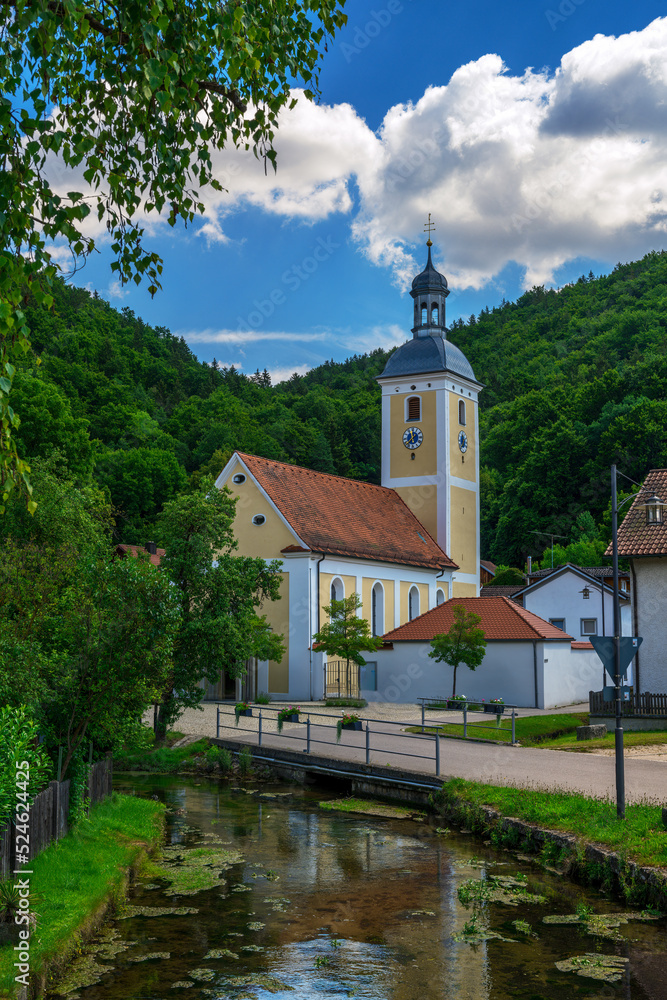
414	408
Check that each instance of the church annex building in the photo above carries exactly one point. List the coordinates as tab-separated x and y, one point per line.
405	546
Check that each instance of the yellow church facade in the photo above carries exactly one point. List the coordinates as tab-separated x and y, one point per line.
404	546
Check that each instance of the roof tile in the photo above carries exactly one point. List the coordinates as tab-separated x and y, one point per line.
502	621
635	536
346	517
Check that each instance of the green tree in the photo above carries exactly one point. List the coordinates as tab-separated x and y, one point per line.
508	576
464	643
95	634
345	634
219	596
18	743
133	99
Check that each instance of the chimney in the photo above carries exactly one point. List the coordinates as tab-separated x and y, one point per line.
530	565
151	548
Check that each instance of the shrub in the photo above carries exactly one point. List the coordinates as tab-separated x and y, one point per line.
245	762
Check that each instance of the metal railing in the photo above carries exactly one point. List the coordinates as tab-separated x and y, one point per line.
465	708
309	739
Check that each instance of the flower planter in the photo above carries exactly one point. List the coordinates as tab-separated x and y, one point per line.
355	726
456	703
294	717
494	709
245	713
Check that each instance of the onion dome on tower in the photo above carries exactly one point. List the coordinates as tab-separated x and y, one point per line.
429	350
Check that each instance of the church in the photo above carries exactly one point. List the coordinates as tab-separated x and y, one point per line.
404	546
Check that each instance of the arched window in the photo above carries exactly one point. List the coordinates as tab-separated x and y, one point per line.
377	609
424	314
413	409
337	589
413	603
439	597
434	315
462	412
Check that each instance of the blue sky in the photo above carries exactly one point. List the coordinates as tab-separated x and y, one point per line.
534	132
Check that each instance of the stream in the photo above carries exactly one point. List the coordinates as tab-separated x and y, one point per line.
276	897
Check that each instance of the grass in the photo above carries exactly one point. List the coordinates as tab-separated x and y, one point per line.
164	759
641	837
76	876
532	730
370	807
645	738
345	703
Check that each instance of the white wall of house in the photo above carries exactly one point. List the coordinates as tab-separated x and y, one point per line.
542	675
560	596
650	597
569	674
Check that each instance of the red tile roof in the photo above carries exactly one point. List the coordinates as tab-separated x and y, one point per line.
635	536
134	550
488	590
345	517
582	645
502	621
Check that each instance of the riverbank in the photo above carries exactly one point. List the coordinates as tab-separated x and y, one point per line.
79	881
574	834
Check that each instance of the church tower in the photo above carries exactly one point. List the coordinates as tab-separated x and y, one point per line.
430	430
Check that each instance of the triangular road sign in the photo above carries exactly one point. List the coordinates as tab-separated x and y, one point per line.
604	647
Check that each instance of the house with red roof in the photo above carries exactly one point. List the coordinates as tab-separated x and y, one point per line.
404	546
642	538
528	661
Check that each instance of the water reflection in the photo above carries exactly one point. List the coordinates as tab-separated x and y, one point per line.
332	905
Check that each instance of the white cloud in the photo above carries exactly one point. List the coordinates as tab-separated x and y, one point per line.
537	168
283	374
245	336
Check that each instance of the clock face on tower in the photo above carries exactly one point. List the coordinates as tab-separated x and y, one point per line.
412	438
463	441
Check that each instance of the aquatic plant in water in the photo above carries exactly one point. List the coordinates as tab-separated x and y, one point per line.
605	968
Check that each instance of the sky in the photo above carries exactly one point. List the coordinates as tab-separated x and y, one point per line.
533	131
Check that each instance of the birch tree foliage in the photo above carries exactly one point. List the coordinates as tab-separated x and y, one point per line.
112	110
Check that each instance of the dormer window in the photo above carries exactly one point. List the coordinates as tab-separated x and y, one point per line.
413	409
462	412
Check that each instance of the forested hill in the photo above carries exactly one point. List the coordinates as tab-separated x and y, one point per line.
575	380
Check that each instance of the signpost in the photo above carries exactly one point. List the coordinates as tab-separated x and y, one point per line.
605	647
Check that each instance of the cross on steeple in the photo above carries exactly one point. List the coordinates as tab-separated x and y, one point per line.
429	228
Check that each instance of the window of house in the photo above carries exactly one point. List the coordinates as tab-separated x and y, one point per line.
413	409
337	589
424	314
258	519
558	622
589	626
238	478
377	609
462	412
440	597
434	315
413	603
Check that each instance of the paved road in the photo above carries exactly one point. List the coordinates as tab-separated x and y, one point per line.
524	767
